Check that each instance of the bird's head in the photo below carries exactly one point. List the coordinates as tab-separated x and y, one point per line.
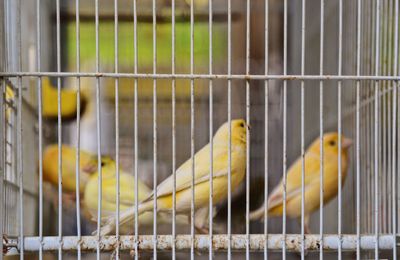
107	161
239	129
92	165
331	143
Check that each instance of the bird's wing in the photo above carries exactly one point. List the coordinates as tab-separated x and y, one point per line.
293	181
201	169
127	187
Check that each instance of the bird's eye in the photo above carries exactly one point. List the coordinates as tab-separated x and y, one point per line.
242	124
332	143
102	164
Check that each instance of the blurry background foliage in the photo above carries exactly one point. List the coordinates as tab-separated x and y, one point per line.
145	54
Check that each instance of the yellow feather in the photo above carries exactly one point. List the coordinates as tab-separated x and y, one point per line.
9	98
68	101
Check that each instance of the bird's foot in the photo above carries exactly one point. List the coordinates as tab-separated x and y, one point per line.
5	241
132	253
69	200
307	229
202	230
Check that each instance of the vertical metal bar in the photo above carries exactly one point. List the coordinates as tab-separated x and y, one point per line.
78	132
266	126
20	170
19	140
192	205
210	89
371	120
321	130
38	54
136	150
394	132
285	29
3	118
376	131
248	132
173	129
116	82
59	135
358	170
154	7
389	57
368	132
2	158
398	152
98	125
229	222
340	129
9	195
303	32
388	90
382	130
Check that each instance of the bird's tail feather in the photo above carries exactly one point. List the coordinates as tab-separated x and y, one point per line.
125	217
258	213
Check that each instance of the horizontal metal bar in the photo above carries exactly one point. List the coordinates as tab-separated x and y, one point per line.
220	242
16	187
148	18
196	76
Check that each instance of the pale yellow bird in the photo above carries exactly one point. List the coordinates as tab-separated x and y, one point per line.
87	167
201	179
126	197
311	180
68	101
9	98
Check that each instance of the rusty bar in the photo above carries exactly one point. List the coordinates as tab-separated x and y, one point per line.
201	242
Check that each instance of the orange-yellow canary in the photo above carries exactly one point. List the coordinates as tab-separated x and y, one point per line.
311	180
9	98
68	101
87	166
201	181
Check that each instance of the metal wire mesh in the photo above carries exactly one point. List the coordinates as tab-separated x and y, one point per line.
293	70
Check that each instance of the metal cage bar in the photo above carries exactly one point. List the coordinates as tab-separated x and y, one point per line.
78	131
220	242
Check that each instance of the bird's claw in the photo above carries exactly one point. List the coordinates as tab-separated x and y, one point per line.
202	230
5	242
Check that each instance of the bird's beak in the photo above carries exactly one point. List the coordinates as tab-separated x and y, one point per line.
346	143
90	168
248	127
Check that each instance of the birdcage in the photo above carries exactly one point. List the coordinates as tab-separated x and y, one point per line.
148	84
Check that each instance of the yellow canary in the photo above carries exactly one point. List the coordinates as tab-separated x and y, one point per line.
126	197
68	101
109	182
87	166
201	179
311	180
9	97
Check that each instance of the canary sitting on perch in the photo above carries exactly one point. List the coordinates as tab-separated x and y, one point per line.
201	181
311	180
126	197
